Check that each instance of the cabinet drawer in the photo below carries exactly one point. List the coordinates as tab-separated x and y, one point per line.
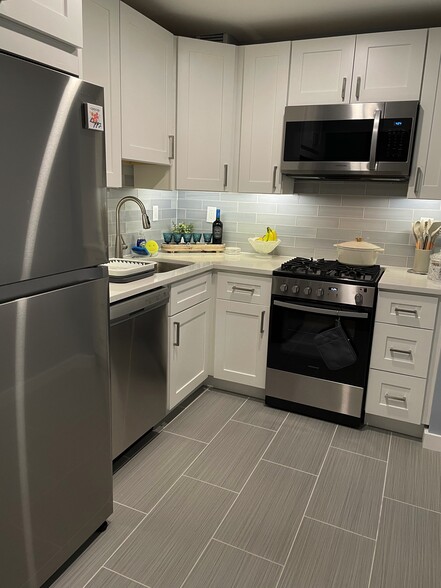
402	350
187	293
241	288
406	309
395	396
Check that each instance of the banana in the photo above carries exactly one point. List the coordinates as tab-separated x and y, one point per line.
270	235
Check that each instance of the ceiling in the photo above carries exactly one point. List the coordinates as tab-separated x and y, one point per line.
258	21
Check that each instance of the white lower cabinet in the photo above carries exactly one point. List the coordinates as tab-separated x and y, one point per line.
241	342
188	336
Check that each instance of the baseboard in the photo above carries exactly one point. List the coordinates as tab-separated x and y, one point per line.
393	425
431	441
236	388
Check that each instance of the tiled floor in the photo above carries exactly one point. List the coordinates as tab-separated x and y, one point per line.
233	494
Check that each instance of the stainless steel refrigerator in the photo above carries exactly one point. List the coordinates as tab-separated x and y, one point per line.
55	446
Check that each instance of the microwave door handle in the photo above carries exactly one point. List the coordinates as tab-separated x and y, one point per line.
375	131
316	310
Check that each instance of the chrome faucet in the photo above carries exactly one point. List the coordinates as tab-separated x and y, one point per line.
120	244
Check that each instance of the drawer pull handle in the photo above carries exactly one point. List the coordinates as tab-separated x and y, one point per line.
177	338
397	398
239	289
343	90
262	322
225	175
405	351
275	177
406	311
357	88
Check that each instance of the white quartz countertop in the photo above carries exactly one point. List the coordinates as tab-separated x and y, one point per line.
200	263
400	280
394	278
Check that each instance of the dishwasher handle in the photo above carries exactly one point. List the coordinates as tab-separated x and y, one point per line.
138	305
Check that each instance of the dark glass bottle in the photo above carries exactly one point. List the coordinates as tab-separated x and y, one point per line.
217	229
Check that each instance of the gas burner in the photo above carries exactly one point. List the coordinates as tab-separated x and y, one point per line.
330	270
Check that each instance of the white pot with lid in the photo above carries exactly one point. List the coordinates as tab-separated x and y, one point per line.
358	252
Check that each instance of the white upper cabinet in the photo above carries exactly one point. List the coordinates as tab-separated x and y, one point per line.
205	115
388	66
101	66
60	19
425	179
148	88
321	71
264	95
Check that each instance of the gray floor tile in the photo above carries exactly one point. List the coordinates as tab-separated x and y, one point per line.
164	548
348	492
268	512
301	443
414	473
326	557
146	478
223	566
232	456
107	579
203	419
121	524
367	441
408	550
256	413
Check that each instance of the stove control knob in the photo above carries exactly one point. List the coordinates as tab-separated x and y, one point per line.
295	289
283	288
358	298
307	290
320	292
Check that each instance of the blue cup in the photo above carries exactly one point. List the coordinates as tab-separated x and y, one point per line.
186	237
167	237
207	237
177	238
197	237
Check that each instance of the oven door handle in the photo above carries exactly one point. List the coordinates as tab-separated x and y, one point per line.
336	313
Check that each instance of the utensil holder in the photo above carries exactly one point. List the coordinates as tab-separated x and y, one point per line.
421	261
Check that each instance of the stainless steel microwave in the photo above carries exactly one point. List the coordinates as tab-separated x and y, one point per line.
368	140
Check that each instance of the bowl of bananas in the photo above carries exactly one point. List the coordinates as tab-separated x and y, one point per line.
265	244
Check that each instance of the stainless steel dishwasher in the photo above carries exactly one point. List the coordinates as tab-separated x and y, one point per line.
138	359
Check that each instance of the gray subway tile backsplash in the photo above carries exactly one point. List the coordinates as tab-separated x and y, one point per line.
308	222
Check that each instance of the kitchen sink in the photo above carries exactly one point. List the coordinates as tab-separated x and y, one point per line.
168	266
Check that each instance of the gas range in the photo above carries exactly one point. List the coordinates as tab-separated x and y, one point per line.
328	281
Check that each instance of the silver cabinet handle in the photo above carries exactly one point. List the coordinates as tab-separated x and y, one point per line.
274	177
406	311
398	398
317	310
357	88
404	351
171	146
262	322
240	289
177	338
418	182
343	90
375	130
225	175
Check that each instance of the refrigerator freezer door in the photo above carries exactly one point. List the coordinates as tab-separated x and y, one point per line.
52	171
55	438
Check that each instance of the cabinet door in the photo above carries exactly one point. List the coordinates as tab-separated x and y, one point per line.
148	68
189	337
388	66
321	71
57	18
241	342
205	115
425	180
265	87
101	66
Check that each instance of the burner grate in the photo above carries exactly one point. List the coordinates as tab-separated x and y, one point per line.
324	268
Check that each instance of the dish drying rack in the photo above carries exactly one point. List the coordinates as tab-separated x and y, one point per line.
127	270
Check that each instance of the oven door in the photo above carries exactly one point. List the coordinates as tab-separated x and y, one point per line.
293	347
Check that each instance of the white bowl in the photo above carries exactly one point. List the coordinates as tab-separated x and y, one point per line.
263	246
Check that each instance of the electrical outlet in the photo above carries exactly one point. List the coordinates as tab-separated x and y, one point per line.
211	214
155	213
